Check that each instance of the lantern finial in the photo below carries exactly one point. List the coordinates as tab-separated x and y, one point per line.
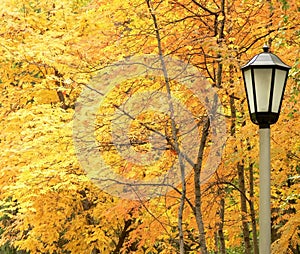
266	48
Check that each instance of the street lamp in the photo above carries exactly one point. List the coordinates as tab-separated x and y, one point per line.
265	77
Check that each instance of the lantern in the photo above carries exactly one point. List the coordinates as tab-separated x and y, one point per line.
265	77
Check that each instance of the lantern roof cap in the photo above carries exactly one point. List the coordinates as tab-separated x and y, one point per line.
266	59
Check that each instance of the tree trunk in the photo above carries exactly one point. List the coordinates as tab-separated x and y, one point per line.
252	210
174	137
242	188
197	185
245	226
123	235
219	31
222	247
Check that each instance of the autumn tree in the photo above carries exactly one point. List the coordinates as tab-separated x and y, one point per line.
51	50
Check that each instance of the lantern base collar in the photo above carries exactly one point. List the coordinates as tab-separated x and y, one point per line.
264	119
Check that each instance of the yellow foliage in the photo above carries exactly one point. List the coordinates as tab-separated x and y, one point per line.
49	52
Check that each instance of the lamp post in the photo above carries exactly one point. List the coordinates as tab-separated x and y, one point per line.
265	77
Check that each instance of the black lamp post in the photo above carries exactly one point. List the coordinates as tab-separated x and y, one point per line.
265	77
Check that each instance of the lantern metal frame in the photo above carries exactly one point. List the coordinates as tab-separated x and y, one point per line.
278	74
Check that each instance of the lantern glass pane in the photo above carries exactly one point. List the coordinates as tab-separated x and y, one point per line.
263	78
280	76
249	88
